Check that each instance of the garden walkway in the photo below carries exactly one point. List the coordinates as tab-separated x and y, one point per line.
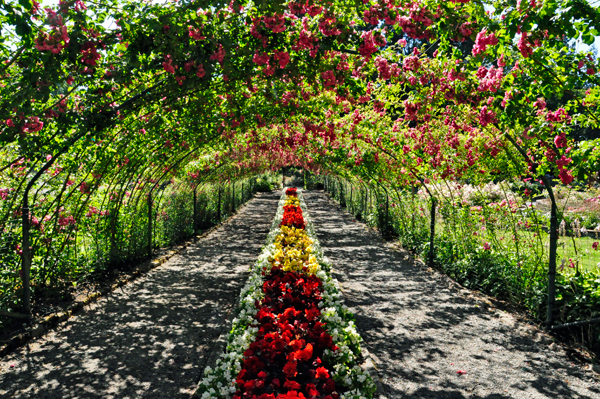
420	329
151	338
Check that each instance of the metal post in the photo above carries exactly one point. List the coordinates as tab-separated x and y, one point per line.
26	258
233	195
387	213
219	206
432	231
351	202
552	264
195	223
149	225
365	203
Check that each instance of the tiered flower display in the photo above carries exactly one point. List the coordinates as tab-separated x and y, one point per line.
292	338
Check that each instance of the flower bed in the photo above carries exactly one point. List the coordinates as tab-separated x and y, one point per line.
292	337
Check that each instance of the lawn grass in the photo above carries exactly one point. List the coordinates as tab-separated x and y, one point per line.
582	250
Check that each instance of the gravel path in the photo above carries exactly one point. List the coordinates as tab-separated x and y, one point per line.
152	338
421	329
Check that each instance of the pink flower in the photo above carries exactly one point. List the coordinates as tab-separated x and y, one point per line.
371	41
328	78
595	245
486	117
33	125
89	54
314	10
84	188
306	38
168	67
283	57
66	221
524	46
486	247
540	103
483	41
276	23
260	59
218	55
411	110
566	176
372	16
501	62
201	72
195	33
383	68
269	70
327	27
411	63
466	29
561	140
490	80
560	115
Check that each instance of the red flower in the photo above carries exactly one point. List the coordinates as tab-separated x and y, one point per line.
304	354
311	390
292	216
295	344
290	369
329	385
290	339
291	395
291	385
322	373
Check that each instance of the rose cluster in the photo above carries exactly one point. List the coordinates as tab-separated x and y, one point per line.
291	192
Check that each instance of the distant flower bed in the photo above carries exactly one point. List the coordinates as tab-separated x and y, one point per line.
292	338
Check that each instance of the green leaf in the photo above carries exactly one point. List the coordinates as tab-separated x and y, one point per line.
588	39
22	27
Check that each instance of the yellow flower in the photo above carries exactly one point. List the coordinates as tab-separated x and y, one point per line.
292	201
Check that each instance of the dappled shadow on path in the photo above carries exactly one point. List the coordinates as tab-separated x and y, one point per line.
151	338
421	329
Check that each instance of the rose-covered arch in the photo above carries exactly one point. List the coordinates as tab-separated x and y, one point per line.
123	96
